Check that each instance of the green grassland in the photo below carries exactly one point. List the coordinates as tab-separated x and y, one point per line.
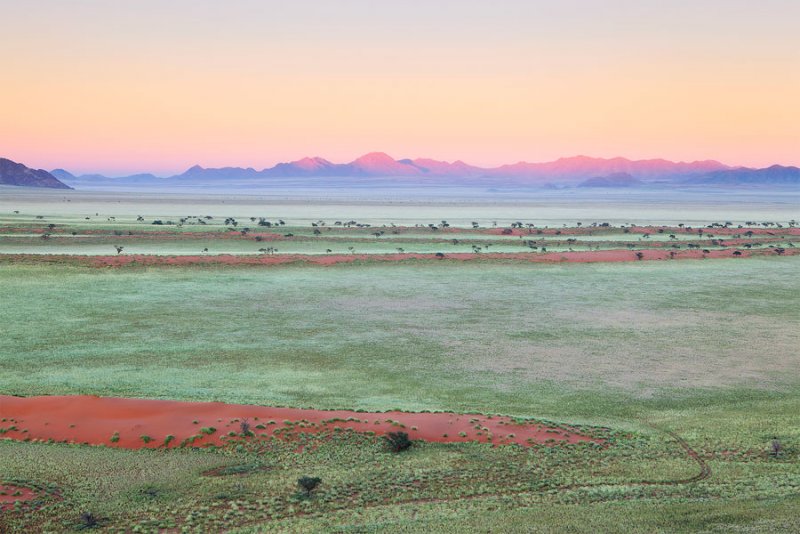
705	349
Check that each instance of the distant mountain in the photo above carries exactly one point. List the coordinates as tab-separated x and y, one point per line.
304	167
774	175
62	175
198	172
380	164
379	168
584	167
89	180
443	168
13	173
618	179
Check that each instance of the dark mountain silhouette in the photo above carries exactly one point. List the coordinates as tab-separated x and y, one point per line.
13	173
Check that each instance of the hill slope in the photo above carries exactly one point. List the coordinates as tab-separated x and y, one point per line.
13	173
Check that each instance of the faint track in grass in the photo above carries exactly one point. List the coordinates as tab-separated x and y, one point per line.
704	473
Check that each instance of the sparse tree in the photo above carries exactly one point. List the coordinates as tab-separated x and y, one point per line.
88	520
308	484
244	426
398	441
775	447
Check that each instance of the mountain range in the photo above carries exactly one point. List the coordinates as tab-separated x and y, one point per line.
381	165
380	168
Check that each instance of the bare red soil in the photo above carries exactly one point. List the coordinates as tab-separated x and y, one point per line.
9	494
118	422
595	256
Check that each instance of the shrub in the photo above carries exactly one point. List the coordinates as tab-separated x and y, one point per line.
775	448
88	520
244	426
308	484
398	441
145	438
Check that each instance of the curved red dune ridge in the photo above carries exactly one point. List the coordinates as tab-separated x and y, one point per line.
120	422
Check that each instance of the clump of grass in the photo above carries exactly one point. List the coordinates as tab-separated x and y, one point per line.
114	437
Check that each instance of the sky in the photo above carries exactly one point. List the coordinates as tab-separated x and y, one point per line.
161	85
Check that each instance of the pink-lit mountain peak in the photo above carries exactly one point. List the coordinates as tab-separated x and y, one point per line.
374	158
311	164
382	163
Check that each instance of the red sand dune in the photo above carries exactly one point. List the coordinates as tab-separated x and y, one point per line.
94	420
595	256
9	494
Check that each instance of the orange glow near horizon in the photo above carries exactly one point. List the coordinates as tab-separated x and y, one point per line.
153	89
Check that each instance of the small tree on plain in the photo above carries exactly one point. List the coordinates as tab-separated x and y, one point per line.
88	520
308	484
398	441
775	447
244	426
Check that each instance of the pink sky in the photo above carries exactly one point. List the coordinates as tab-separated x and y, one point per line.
94	86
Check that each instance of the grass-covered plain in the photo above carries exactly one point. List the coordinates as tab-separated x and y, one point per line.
706	349
518	339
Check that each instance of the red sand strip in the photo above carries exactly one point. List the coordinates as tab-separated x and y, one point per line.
598	256
94	420
9	494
